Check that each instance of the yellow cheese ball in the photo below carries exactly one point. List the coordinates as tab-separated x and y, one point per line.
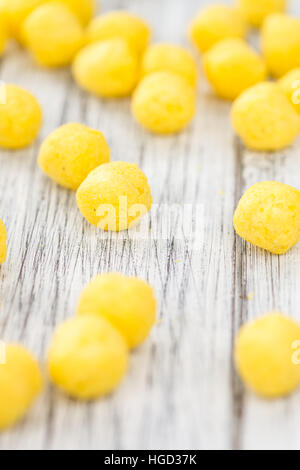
255	11
71	152
264	352
20	383
20	118
3	26
281	43
3	242
127	303
164	103
231	66
83	9
263	117
53	34
17	11
88	357
114	196
216	22
120	24
268	216
290	84
107	68
169	58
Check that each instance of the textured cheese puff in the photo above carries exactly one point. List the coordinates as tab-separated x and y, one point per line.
232	66
88	357
52	34
128	303
20	117
120	24
3	242
255	11
263	117
216	22
290	84
83	9
20	383
107	68
263	355
114	196
164	103
268	216
169	58
281	43
17	11
71	152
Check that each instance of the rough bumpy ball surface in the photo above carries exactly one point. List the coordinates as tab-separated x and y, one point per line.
120	24
53	34
268	216
20	383
290	84
3	242
214	23
232	66
264	355
71	152
126	302
164	103
88	357
20	117
169	58
281	43
255	11
107	68
114	196
264	118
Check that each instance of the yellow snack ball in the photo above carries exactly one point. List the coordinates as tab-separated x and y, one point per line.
71	152
216	22
263	117
3	240
231	66
107	68
20	117
255	11
264	355
281	43
83	9
268	216
169	58
164	103
120	24
3	26
17	11
88	357
290	84
20	383
128	303
114	196
53	34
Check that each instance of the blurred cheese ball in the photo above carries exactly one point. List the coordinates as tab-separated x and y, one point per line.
232	66
128	303
114	196
164	103
169	58
52	34
255	11
214	23
20	383
268	216
71	152
88	357
3	25
17	11
290	84
120	24
3	242
264	119
107	68
83	9
263	355
281	43
20	117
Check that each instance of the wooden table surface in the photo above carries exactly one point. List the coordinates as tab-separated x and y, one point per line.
181	390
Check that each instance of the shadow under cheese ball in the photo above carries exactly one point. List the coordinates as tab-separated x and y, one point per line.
256	11
71	152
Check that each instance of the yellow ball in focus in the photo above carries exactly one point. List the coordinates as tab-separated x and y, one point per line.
290	84
255	11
